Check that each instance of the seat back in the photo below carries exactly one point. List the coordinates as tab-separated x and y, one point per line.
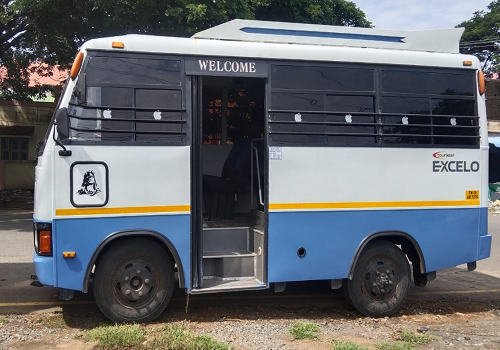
237	165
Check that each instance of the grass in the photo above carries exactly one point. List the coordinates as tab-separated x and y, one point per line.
118	337
304	330
166	338
54	321
346	345
415	338
395	346
406	341
3	320
174	337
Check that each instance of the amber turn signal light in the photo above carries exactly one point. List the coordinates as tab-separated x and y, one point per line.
77	64
45	243
117	45
481	82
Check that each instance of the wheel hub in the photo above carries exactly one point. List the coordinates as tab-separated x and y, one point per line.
134	282
379	280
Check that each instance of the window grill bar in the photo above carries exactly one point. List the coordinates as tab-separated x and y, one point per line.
320	133
321	123
374	114
179	121
130	131
129	108
429	135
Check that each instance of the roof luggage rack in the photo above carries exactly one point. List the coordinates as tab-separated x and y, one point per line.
436	40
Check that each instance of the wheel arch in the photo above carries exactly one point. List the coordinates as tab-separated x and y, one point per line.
113	237
408	244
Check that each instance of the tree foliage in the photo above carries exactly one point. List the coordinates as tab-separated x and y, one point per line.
482	36
50	31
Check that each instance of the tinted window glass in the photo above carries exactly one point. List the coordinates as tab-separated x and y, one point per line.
158	98
406	129
349	103
317	140
109	96
348	133
415	82
299	127
352	140
349	119
405	104
167	122
297	102
122	70
406	140
117	125
453	107
407	119
322	78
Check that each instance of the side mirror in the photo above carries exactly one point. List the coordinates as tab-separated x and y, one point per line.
62	122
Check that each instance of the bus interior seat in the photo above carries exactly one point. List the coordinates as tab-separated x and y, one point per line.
235	179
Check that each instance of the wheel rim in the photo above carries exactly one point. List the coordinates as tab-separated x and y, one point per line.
135	283
380	279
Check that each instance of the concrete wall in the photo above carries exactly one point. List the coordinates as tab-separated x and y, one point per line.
17	175
20	174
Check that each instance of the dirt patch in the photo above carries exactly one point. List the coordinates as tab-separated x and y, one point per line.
460	323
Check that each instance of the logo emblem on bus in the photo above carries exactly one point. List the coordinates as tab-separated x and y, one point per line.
442	154
157	115
89	185
298	117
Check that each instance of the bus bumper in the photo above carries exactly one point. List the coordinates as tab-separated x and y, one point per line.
484	247
44	267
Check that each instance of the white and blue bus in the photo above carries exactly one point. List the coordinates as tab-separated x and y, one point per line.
259	153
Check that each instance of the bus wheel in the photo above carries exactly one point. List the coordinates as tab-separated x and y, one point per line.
381	280
134	281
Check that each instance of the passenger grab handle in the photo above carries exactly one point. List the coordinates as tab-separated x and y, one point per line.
258	172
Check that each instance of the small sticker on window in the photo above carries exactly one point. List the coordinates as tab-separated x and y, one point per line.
275	153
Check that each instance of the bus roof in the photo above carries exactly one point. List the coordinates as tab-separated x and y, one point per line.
438	40
432	48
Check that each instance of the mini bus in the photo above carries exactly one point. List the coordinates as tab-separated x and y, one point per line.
259	153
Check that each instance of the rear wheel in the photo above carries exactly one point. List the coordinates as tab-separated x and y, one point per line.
380	281
134	281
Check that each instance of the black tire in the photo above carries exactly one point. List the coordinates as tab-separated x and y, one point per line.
134	281
381	280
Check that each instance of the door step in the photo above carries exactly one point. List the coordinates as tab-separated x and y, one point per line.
233	259
225	254
219	285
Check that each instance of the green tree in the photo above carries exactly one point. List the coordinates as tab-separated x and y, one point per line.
481	37
50	31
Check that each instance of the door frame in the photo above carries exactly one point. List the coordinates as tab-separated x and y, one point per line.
196	183
196	82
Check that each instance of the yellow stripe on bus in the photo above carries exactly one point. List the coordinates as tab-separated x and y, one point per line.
123	210
344	205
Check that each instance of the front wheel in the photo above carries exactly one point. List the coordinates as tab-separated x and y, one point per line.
134	281
381	280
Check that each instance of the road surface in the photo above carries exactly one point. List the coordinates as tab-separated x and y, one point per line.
17	294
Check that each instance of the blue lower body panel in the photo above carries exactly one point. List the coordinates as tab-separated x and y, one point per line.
484	247
44	268
83	236
447	237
